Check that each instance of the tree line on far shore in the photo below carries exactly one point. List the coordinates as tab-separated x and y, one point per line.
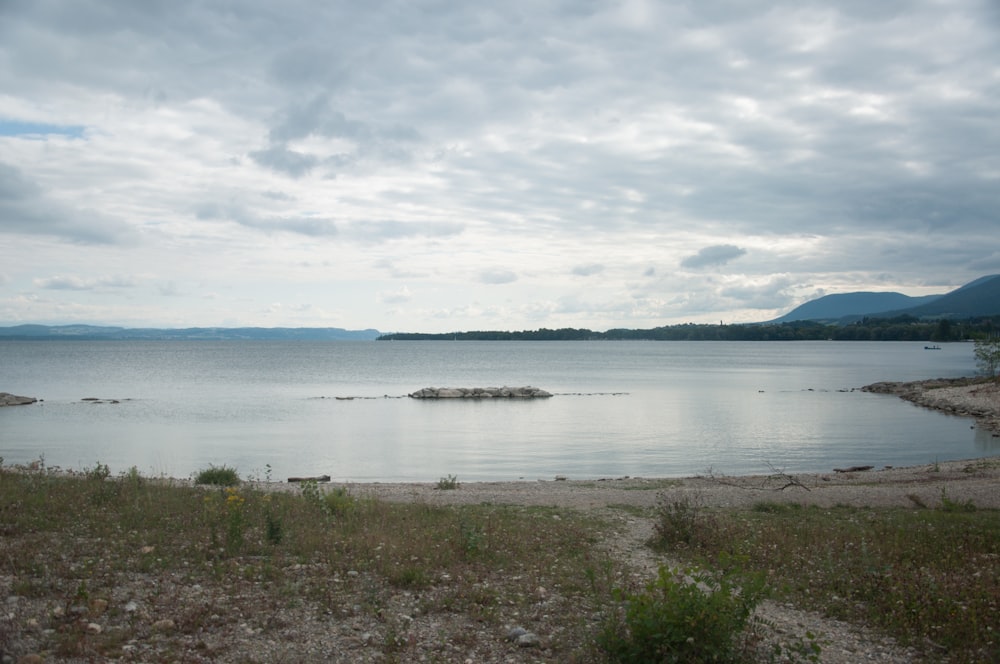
899	328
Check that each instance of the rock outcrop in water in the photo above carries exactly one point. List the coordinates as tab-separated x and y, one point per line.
526	392
977	397
8	399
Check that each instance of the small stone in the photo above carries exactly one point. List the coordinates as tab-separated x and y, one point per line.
528	640
164	625
98	607
131	606
94	628
515	633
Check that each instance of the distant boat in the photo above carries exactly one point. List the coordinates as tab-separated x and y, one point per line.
932	347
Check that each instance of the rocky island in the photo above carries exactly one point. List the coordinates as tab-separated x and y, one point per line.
8	399
526	392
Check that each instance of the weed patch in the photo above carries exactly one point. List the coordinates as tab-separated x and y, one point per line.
217	476
449	483
929	577
176	562
684	616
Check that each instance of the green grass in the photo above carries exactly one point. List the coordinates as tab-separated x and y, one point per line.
929	577
685	616
217	476
69	541
449	483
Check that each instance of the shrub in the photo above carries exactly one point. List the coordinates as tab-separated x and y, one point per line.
98	473
682	522
218	476
949	505
335	503
987	353
274	529
683	616
131	480
448	483
339	502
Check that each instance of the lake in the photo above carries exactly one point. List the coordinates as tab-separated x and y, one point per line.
632	408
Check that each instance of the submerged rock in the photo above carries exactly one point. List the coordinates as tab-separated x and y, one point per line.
526	392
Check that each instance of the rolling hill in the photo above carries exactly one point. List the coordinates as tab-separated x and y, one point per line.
95	332
977	298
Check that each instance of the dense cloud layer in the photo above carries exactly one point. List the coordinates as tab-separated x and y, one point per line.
419	166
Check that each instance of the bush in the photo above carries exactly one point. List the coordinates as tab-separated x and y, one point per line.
98	473
218	476
987	353
339	502
448	483
683	616
336	503
682	522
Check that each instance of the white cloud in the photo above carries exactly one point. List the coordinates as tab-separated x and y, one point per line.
588	270
497	277
395	297
26	208
337	155
718	254
72	282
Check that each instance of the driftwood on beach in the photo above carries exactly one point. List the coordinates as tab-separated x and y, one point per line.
316	478
526	392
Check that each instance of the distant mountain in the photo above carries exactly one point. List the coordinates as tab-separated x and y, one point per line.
831	308
977	298
96	332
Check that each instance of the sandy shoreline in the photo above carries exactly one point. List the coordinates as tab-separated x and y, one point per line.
626	505
978	398
973	479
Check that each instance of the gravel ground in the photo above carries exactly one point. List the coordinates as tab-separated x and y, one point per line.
301	636
977	480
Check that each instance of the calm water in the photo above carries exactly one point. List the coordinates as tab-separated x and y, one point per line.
621	408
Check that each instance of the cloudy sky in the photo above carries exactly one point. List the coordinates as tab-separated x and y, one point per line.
441	165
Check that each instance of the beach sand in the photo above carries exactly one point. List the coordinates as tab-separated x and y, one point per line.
968	479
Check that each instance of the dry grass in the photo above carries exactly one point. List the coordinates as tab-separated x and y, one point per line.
96	567
929	576
108	567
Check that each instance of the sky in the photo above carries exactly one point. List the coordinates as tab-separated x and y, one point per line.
434	165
